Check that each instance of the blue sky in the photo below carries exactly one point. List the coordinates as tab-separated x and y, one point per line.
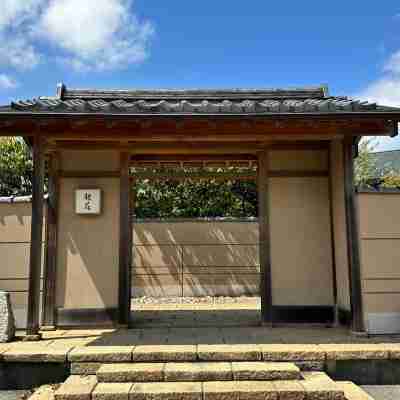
354	47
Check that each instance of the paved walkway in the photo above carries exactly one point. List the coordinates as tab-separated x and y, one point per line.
205	335
196	312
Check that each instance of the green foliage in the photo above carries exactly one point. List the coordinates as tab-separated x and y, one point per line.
366	169
195	198
15	167
391	180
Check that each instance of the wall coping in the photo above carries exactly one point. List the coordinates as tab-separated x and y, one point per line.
19	199
378	191
204	220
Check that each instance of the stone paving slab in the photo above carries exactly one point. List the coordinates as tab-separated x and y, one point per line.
44	392
296	352
319	386
265	371
148	353
117	391
290	390
355	351
132	372
217	352
204	371
101	354
34	354
239	390
76	388
167	391
353	392
85	368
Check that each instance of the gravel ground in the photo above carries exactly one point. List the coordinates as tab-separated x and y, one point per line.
195	300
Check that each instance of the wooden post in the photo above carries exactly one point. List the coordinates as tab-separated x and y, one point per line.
125	243
357	324
49	285
265	239
35	261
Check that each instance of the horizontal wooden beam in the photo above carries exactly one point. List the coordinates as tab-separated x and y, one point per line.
223	176
89	174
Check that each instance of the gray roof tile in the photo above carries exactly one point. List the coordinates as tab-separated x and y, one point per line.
235	101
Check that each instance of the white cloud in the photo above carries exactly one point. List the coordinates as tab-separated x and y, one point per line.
385	91
18	53
16	19
7	82
15	12
96	34
85	34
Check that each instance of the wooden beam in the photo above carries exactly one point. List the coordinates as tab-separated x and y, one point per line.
89	174
50	269
125	243
353	238
35	260
229	175
193	158
333	242
265	237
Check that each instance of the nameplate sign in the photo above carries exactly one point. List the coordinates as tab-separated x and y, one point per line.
88	201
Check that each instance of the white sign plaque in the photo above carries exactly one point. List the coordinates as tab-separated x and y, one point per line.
88	201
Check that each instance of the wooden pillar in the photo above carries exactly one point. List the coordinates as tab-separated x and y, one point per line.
125	243
49	285
35	260
265	237
357	323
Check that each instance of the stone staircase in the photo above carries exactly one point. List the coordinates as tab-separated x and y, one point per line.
178	375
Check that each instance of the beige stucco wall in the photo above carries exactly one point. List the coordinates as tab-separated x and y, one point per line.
339	226
301	242
81	160
15	231
305	160
380	252
189	258
87	256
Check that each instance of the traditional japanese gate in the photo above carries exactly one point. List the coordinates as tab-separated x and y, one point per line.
93	137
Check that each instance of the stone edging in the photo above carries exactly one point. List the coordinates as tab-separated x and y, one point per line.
240	352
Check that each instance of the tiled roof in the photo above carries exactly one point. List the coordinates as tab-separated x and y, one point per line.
236	101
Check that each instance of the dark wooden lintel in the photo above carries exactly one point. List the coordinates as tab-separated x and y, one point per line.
89	174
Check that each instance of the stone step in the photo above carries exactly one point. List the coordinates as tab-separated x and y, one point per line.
314	386
197	372
353	392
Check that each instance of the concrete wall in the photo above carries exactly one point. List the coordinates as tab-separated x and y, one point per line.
380	252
